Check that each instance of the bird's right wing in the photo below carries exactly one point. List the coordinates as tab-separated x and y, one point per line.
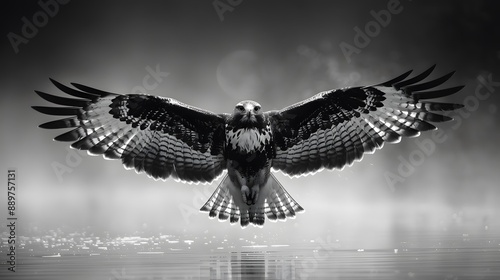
159	136
334	128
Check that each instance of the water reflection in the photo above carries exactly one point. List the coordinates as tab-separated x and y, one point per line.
251	265
439	255
292	263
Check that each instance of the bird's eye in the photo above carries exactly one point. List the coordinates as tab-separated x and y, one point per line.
256	108
240	107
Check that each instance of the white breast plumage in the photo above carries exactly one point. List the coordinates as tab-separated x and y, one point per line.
248	140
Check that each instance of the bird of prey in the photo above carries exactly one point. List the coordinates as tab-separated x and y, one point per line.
164	138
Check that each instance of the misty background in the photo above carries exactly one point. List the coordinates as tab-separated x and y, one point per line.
276	53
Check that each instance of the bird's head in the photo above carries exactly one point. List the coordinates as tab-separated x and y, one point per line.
248	112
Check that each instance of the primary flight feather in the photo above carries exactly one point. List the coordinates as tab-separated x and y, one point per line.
164	138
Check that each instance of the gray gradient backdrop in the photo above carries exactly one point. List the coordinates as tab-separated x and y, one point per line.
276	53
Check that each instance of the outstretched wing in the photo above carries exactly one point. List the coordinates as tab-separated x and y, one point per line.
160	136
335	128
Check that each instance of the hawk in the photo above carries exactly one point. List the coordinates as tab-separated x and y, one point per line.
164	138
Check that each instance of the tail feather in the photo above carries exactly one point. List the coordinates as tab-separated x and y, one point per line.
223	215
234	215
274	202
283	201
245	219
257	216
272	214
218	199
221	203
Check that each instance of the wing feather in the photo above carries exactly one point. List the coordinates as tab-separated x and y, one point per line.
159	136
335	128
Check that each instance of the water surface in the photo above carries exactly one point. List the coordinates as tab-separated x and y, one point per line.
468	259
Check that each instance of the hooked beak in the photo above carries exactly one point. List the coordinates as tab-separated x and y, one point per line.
249	116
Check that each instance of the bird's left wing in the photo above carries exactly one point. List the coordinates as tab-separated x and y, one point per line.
159	136
335	128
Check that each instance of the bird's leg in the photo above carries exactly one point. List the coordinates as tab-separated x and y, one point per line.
255	193
250	196
245	194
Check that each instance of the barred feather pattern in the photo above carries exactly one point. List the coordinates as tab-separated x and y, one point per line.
159	136
337	127
274	202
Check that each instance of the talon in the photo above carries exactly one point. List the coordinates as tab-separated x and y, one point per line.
245	193
250	196
255	193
